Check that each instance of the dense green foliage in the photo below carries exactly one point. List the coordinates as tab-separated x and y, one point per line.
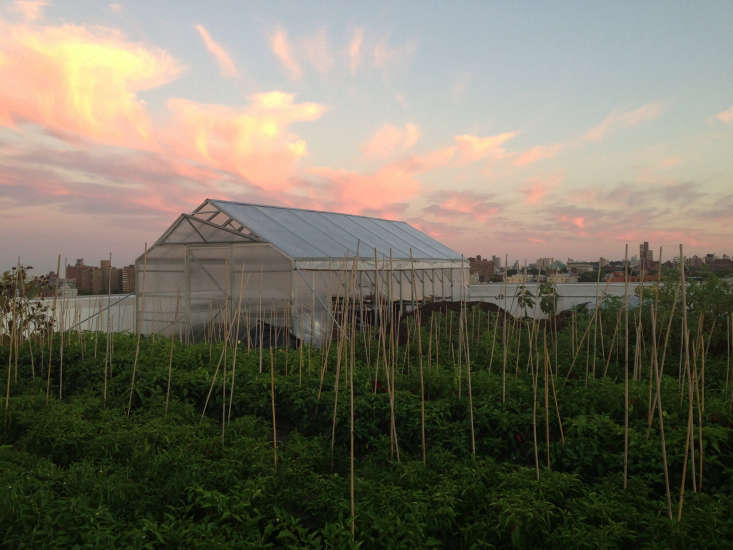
80	473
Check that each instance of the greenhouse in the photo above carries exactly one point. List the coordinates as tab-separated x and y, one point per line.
287	268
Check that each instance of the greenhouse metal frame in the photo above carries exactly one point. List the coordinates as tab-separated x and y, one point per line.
292	265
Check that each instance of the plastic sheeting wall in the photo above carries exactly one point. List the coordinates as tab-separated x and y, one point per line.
202	282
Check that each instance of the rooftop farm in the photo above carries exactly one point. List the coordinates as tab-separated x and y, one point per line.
447	425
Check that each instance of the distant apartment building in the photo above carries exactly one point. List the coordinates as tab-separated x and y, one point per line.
579	267
101	280
646	257
482	268
128	279
544	264
497	262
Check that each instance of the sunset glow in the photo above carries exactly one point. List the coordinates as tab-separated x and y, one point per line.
494	132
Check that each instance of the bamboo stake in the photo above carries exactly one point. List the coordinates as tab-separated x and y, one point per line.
236	344
139	330
53	321
352	499
422	380
658	403
272	401
14	301
664	352
686	342
547	400
170	357
503	366
728	319
626	366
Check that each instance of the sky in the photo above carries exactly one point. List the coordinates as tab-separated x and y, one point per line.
531	129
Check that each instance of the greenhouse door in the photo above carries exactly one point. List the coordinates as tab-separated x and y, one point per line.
208	284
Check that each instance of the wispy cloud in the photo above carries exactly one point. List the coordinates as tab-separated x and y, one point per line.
538	153
317	51
223	59
538	188
627	119
474	148
390	139
114	6
281	48
385	55
726	116
355	49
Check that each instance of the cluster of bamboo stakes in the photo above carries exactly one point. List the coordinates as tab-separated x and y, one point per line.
386	360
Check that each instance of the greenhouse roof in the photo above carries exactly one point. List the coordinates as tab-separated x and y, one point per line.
311	234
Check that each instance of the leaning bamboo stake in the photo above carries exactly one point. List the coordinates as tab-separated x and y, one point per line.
227	335
664	352
658	403
13	332
700	404
272	401
236	343
139	330
62	331
535	374
50	331
626	366
503	366
422	380
727	350
613	344
352	361
686	342
547	399
170	357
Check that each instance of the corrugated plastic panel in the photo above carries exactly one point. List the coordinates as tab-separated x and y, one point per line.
312	234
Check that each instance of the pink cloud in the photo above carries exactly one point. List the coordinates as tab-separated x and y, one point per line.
451	206
355	192
281	48
539	187
628	119
385	55
390	139
726	116
115	7
30	10
318	51
254	142
226	65
355	49
74	81
473	148
538	153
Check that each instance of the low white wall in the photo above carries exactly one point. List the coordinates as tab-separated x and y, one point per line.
569	295
84	312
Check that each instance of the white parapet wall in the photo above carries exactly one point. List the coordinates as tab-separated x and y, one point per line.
569	295
83	312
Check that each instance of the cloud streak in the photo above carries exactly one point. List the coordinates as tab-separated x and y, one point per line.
223	59
280	46
726	116
628	119
390	139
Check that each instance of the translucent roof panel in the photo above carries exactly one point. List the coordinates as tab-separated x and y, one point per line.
313	234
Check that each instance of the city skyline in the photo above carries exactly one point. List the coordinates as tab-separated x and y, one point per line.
562	131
